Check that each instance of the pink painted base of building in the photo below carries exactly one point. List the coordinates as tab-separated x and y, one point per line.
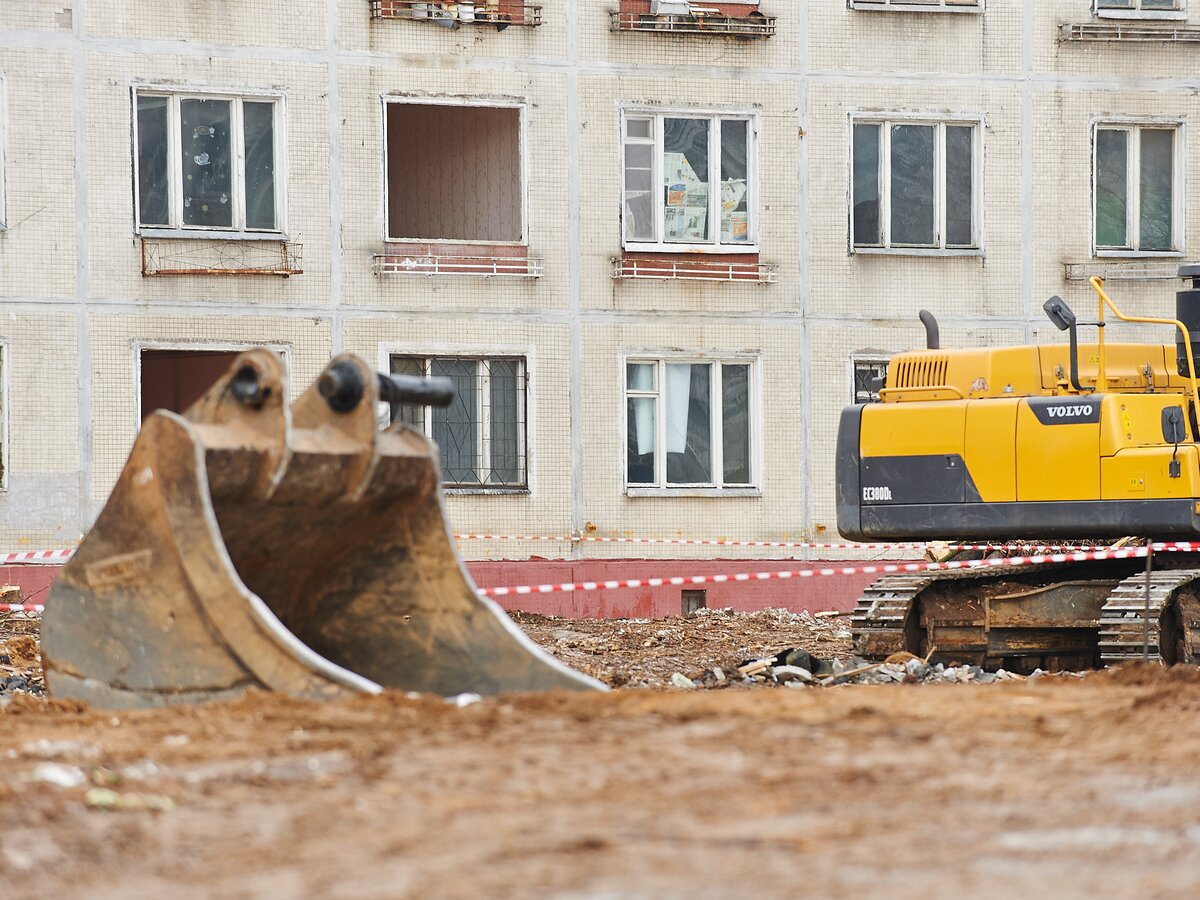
818	594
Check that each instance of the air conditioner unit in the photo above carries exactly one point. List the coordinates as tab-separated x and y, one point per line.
669	8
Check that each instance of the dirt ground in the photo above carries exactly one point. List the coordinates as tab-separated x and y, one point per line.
1066	787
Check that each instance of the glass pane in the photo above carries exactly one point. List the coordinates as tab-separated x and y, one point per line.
640	376
639	127
1155	200
259	124
959	186
735	423
456	427
912	188
207	163
408	413
735	181
507	450
866	185
689	424
153	195
639	192
1160	4
685	180
1115	4
1112	160
640	441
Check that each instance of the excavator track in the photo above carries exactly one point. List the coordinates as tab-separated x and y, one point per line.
1162	628
882	614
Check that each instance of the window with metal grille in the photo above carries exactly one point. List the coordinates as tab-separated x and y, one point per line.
870	374
482	435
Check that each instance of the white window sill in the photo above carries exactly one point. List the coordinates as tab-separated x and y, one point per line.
724	249
919	8
170	234
493	491
648	491
454	242
1169	15
1138	254
915	251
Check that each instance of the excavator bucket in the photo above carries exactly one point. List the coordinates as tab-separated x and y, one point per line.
300	550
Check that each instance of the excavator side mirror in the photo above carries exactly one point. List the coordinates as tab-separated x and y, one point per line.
1172	425
1059	313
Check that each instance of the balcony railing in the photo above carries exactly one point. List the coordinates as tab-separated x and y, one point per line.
499	14
1133	32
427	264
1122	270
690	269
752	26
187	256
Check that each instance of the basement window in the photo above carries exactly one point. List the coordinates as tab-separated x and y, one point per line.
688	423
208	163
693	601
869	374
915	185
689	182
454	173
175	379
1136	200
481	436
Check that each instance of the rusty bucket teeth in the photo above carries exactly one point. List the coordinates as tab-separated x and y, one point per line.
300	550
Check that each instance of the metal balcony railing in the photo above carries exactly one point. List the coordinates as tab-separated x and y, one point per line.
1123	270
499	14
753	26
427	264
200	256
689	269
1132	32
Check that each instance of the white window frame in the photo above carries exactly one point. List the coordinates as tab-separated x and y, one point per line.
1133	189
660	487
3	157
940	120
176	228
5	418
1177	14
477	102
483	412
751	245
935	6
138	345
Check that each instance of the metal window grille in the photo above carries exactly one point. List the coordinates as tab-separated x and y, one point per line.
869	376
481	437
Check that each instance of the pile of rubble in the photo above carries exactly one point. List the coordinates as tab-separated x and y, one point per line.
796	668
20	656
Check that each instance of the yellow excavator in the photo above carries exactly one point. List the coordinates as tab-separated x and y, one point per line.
1093	441
249	544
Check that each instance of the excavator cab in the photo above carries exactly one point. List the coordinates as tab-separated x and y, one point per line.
249	544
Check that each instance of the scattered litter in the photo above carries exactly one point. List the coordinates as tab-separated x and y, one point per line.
682	681
461	700
106	798
58	775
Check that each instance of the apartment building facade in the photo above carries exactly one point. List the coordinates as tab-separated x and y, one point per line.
658	245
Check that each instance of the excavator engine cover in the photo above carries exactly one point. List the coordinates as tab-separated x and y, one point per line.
302	550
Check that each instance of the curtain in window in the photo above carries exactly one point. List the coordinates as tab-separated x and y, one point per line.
689	423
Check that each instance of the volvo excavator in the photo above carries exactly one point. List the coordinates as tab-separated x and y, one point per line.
1082	441
253	544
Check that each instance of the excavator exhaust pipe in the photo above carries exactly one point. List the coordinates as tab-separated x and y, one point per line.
302	550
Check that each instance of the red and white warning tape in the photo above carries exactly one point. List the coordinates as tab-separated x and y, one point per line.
883	569
36	556
22	607
724	542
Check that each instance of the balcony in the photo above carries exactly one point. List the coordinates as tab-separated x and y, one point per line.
680	17
433	264
688	268
1129	32
185	256
499	14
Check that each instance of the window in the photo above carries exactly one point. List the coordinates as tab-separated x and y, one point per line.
481	436
1134	188
208	163
920	5
698	412
3	142
671	163
869	374
1171	9
915	185
454	173
175	379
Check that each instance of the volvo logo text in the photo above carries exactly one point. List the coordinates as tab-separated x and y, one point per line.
877	493
1069	412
